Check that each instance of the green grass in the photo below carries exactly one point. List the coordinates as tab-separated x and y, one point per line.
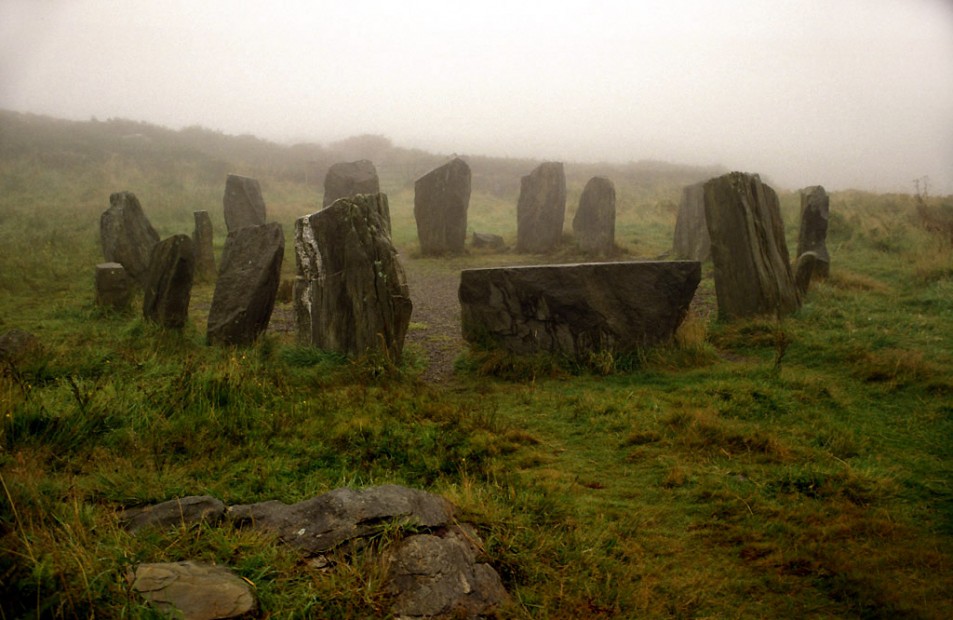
801	468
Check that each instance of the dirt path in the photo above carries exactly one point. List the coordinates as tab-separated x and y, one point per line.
435	322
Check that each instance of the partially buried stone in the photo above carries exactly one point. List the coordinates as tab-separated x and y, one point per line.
202	244
541	210
168	287
243	203
441	199
348	179
181	511
594	223
192	590
114	287
126	235
487	240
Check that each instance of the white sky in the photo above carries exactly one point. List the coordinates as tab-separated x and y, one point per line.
843	93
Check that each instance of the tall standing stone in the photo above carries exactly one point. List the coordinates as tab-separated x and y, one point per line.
114	287
441	199
202	245
347	179
244	205
351	282
594	223
126	235
815	215
691	232
541	209
752	268
169	283
247	284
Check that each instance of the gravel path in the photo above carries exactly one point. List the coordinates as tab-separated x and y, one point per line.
435	322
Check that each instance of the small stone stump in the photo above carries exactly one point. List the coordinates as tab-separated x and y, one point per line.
692	241
541	210
126	235
202	245
347	179
751	264
441	199
247	284
243	203
815	216
193	590
114	287
594	222
168	286
487	240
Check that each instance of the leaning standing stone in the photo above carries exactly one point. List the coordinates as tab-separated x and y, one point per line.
202	244
691	231
541	209
348	179
114	287
169	284
244	205
126	235
594	223
441	199
815	214
752	269
247	284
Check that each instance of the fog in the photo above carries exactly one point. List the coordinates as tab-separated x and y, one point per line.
847	94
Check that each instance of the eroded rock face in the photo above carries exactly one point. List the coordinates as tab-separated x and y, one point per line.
114	286
441	200
541	210
247	284
202	245
594	222
750	256
193	591
692	241
243	202
348	179
352	293
168	287
815	216
182	511
577	309
126	235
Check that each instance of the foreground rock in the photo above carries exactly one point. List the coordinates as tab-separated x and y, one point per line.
351	293
168	287
182	511
202	245
752	268
441	200
348	179
247	284
126	235
193	591
815	215
594	222
692	240
243	203
577	309
114	287
541	210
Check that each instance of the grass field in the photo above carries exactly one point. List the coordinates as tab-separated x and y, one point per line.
759	469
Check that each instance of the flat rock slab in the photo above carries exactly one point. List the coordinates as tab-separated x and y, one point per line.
193	591
322	523
180	511
577	309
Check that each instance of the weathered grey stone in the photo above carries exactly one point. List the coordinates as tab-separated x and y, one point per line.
114	287
443	575
815	214
487	240
355	291
752	268
541	209
348	179
182	511
243	202
247	284
202	244
692	241
594	222
126	235
193	591
577	309
16	344
322	523
804	272
168	287
441	200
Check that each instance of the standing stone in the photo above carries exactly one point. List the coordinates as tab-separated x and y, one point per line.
815	214
244	205
541	209
750	257
169	283
804	272
202	245
126	235
114	287
594	223
691	231
247	284
357	294
348	179
441	199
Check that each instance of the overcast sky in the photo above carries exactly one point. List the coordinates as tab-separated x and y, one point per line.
843	93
